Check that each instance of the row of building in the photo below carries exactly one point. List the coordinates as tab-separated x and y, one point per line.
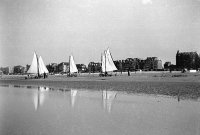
63	67
131	64
14	70
184	60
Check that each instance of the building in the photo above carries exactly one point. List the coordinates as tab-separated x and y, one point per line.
94	67
167	65
5	70
11	70
19	69
138	64
129	64
1	73
81	68
125	65
152	64
135	64
188	60
52	68
63	67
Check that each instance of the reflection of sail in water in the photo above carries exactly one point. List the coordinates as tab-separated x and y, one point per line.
39	96
108	98
42	89
73	97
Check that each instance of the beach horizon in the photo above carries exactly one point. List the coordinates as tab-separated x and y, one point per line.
185	85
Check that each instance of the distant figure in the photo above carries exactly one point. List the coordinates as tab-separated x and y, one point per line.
170	70
121	67
183	71
128	72
28	76
178	95
106	73
44	75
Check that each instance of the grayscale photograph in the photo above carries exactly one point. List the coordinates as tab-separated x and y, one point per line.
99	67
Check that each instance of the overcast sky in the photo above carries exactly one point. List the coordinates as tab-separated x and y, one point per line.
56	29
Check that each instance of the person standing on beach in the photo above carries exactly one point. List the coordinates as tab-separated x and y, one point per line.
44	75
128	71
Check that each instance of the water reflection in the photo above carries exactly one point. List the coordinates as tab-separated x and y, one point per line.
4	85
39	97
107	100
96	112
73	96
108	97
18	86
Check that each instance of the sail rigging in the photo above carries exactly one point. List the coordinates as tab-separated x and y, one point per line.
34	65
107	62
42	67
72	65
37	66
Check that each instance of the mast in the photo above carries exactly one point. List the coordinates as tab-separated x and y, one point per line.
69	66
101	63
37	66
105	62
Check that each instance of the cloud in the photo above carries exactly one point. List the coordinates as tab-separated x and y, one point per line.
146	2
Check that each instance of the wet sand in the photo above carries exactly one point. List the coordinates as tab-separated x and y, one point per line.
181	85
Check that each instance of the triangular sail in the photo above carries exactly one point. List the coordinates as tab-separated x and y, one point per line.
107	62
34	65
110	60
103	62
42	67
72	65
37	66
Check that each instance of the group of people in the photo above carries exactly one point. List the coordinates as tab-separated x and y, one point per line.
44	75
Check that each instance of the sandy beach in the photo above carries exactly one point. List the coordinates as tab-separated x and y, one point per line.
183	85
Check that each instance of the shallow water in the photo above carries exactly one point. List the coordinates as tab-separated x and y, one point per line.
31	110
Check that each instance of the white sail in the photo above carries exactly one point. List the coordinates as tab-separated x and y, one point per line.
110	60
37	65
72	65
34	65
42	67
103	62
107	62
106	67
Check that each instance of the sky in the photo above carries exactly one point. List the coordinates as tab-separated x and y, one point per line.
56	29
